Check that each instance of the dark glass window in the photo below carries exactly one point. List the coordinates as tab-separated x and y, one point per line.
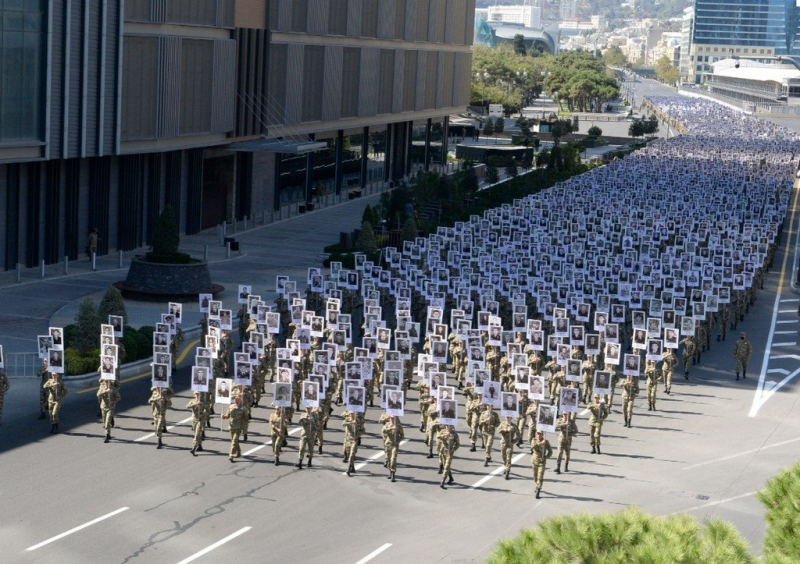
22	61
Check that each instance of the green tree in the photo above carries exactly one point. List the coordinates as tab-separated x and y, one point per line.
371	215
468	179
560	128
366	242
166	237
636	128
499	127
595	131
492	174
511	169
112	304
86	335
651	125
488	127
518	43
666	72
626	536
615	57
410	230
781	499
580	81
527	160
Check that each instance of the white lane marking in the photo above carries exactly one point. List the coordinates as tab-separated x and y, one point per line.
268	443
786	332
778	371
217	544
790	300
786	321
761	396
780	357
793	343
76	529
713	503
375	456
585	411
787	311
374	553
496	471
168	428
738	454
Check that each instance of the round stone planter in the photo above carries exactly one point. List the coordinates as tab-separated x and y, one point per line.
151	281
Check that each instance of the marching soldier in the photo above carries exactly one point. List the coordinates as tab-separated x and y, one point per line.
630	389
4	387
567	428
278	427
392	436
56	391
651	373
450	443
598	413
159	404
237	414
108	396
667	368
474	410
524	404
197	407
489	421
540	452
308	435
432	427
689	349
352	436
509	434
741	353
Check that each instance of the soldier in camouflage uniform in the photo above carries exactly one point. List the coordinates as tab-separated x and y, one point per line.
651	373
509	434
352	436
245	393
668	367
431	427
424	404
474	410
689	349
392	437
630	389
197	407
555	381
742	351
598	413
540	452
56	391
488	422
237	415
108	397
448	438
309	424
567	428
524	404
159	403
588	367
278	429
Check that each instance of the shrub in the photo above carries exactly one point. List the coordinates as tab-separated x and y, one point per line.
131	344
781	499
492	176
166	236
410	230
626	536
366	242
76	364
112	304
85	333
594	131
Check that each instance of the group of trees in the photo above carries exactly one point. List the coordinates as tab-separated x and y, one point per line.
643	126
666	71
637	537
580	81
503	75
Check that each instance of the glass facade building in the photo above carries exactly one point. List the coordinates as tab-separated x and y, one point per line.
768	24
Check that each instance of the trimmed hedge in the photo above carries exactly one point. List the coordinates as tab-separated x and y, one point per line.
138	344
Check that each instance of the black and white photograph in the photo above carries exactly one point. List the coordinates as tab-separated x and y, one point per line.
630	366
537	388
546	418
574	370
44	344
200	379
509	404
107	330
56	361
355	399
203	301
244	293
226	319
116	321
569	399
224	387
108	367
602	382
57	335
176	310
655	349
612	353
448	412
310	394
282	394
160	376
491	393
243	376
395	403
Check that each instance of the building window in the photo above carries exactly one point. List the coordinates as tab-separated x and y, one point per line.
22	59
196	66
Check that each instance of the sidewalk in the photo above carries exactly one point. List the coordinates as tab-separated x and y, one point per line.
287	246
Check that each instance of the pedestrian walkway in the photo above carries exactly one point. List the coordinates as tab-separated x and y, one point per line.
285	246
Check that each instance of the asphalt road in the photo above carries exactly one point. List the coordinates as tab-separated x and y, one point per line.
706	451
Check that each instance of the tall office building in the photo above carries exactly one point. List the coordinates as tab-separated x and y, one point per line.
110	110
568	9
747	28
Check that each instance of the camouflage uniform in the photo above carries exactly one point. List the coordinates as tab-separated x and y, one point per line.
598	413
509	434
197	407
278	428
567	428
742	351
540	452
448	438
489	420
630	389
